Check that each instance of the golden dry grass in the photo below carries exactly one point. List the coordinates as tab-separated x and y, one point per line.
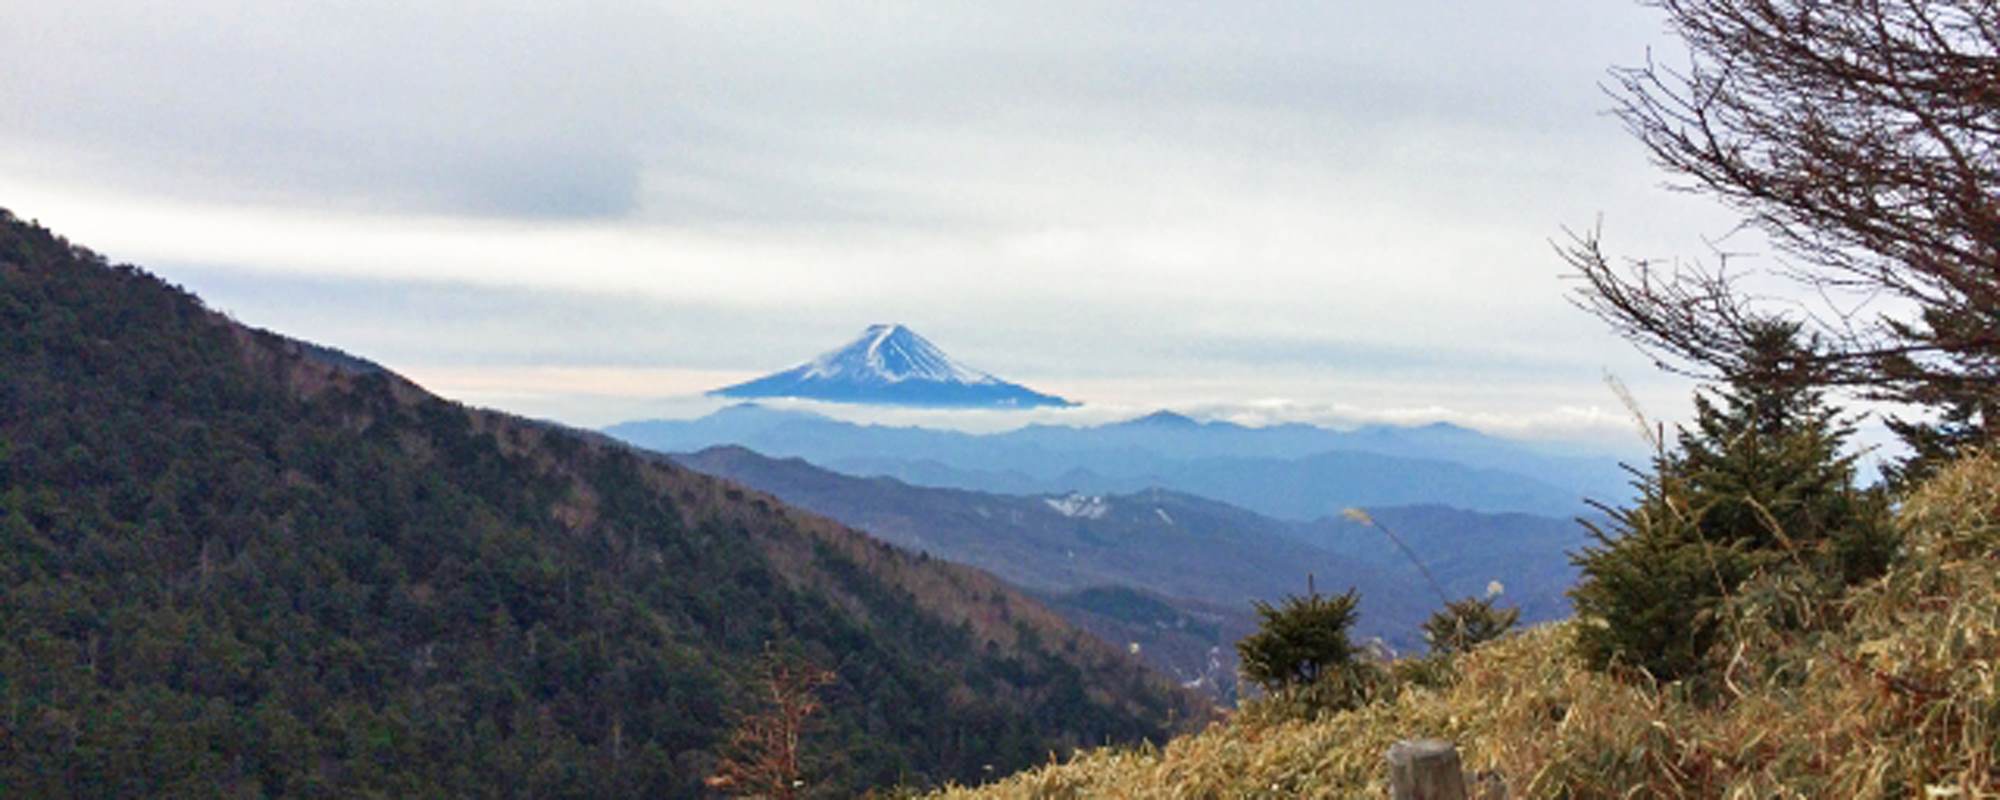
1902	700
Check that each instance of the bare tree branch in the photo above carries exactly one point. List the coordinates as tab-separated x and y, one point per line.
1862	138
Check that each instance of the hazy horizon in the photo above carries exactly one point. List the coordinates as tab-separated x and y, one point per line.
1337	214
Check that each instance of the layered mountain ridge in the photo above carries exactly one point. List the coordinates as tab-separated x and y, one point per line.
1175	573
1293	471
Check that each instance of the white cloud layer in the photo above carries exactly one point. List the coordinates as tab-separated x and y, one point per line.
1340	210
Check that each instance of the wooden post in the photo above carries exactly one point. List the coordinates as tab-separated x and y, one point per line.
1425	769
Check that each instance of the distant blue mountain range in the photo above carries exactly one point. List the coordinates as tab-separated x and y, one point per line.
1191	565
892	365
1293	471
1159	530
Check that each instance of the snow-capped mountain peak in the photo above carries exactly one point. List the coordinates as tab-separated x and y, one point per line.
891	365
893	354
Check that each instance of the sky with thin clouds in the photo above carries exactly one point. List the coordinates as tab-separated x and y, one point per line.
1329	211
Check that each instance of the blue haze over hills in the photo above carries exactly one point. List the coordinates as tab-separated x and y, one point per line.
1293	471
1157	530
1177	573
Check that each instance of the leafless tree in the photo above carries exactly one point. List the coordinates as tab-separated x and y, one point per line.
763	757
1862	138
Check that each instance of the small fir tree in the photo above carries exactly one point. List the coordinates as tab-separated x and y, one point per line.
1302	658
1300	640
1759	482
1650	586
1463	624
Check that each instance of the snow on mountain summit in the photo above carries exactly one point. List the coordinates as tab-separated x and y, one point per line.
891	365
893	354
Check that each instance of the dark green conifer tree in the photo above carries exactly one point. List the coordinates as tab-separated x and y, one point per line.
1302	656
1299	640
1463	624
1759	482
1964	422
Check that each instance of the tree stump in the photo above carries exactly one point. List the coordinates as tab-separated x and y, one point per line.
1425	769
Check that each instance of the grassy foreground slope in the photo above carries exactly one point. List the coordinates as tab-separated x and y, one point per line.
1901	700
234	564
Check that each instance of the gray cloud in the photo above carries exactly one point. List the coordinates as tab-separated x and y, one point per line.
786	113
1265	191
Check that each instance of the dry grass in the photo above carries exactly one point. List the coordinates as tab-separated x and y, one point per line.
1900	700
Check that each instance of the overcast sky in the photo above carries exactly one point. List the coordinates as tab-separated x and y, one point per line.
1335	211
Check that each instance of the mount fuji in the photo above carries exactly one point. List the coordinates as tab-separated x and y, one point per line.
892	365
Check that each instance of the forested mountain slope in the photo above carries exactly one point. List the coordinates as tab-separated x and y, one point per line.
233	563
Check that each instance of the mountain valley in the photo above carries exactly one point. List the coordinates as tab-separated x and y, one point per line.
1176	573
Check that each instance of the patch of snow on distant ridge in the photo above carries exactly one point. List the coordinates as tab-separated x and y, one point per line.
1079	506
